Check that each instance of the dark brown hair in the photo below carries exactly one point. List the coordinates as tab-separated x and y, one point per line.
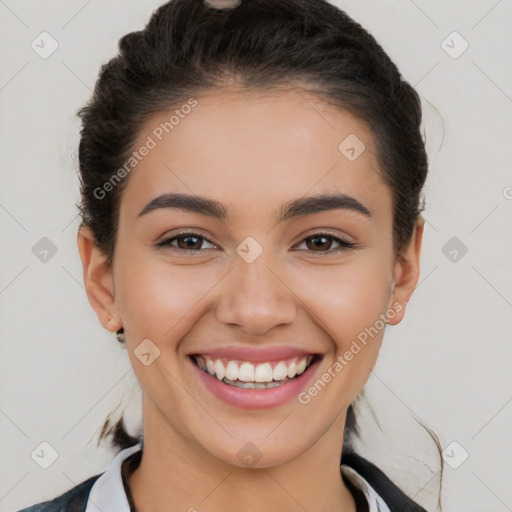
187	47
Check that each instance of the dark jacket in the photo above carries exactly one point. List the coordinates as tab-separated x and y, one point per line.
74	500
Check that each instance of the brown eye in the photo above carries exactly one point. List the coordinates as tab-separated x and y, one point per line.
185	242
190	242
322	243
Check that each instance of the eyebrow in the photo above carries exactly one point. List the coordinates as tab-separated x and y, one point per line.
295	208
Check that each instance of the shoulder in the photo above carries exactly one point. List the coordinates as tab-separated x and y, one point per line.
74	500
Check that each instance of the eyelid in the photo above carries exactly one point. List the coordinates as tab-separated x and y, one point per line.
328	232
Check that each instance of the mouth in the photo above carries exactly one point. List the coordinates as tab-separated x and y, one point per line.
255	375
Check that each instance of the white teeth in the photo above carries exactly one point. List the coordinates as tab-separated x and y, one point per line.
249	373
292	371
301	366
201	363
210	366
246	372
263	373
280	371
232	370
220	372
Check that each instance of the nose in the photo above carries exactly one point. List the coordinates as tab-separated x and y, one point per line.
256	298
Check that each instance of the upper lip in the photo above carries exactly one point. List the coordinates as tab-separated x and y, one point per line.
256	354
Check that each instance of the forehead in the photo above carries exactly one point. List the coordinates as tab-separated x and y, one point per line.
234	145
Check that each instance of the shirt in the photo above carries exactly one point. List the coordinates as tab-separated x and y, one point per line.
110	492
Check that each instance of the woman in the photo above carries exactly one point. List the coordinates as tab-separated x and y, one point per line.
251	175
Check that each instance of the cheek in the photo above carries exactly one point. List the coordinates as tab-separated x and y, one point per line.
158	298
349	305
348	299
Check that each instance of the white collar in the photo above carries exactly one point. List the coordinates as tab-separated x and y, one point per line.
375	502
107	493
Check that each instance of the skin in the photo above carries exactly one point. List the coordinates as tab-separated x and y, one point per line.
253	152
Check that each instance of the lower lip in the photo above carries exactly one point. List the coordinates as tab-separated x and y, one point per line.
256	398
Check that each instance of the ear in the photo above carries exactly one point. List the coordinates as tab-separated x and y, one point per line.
98	281
406	273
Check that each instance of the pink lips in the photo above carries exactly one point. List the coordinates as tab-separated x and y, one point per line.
255	398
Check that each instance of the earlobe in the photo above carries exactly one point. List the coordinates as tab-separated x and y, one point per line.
406	273
98	280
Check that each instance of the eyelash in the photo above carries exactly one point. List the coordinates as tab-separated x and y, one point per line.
344	245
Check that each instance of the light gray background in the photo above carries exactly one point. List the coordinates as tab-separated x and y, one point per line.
448	362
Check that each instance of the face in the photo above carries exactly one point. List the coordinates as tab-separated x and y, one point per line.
291	265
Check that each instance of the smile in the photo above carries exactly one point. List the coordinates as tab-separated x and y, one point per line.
251	384
248	375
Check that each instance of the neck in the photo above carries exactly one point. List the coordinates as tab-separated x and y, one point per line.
174	470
